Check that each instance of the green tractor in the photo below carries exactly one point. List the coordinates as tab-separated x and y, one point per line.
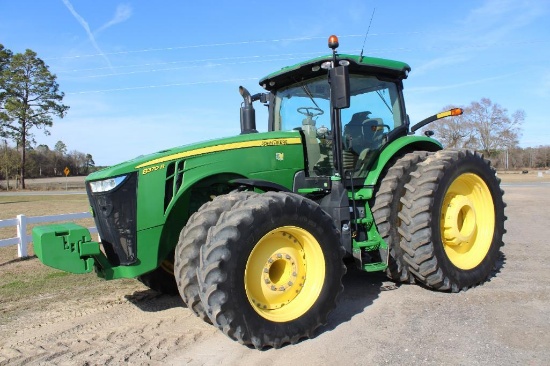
254	231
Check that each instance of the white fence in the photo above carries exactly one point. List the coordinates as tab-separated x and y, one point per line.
22	239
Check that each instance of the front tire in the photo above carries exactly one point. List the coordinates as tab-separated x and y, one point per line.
452	220
191	238
271	270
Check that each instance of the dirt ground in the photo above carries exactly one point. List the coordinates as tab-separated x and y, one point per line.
506	321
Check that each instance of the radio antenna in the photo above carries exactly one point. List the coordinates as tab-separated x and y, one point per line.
368	29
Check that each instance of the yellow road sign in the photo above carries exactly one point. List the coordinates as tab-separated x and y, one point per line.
66	171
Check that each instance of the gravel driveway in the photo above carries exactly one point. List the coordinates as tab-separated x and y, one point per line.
506	321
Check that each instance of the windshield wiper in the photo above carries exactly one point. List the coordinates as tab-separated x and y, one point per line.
384	100
308	92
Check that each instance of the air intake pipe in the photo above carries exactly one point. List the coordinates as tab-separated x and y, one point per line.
248	114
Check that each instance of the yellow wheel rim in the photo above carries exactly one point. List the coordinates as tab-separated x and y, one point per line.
167	266
284	274
467	221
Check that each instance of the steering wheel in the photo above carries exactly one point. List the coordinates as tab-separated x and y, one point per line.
377	128
310	111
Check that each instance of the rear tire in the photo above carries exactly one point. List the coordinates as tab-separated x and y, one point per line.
191	238
452	220
271	270
386	207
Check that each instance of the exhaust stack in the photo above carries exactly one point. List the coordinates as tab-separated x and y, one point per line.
248	114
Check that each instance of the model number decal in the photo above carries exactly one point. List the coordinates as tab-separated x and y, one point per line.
274	142
152	169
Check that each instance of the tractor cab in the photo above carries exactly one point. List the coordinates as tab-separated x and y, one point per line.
340	140
375	111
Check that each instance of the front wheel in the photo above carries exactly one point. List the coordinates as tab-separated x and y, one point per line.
191	238
271	270
452	221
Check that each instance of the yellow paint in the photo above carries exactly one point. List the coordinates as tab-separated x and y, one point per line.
225	147
284	274
444	114
467	221
152	169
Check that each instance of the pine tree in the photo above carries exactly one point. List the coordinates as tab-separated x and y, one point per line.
31	97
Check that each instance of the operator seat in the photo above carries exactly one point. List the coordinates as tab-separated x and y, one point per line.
361	136
353	133
373	136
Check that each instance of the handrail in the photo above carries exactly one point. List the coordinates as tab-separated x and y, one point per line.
21	222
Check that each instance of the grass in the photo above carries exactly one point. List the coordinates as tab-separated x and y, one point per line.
26	284
43	205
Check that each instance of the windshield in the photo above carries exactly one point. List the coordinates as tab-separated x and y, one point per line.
374	111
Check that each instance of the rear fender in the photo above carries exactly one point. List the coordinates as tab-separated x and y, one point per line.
399	147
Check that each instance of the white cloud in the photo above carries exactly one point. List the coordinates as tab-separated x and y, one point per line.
495	21
436	89
441	62
122	14
86	27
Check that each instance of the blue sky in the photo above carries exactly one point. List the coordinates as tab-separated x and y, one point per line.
142	76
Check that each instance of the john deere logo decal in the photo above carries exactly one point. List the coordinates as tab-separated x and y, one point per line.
280	156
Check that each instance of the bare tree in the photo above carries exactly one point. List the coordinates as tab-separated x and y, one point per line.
491	127
452	132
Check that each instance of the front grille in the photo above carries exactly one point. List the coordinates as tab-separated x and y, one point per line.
115	217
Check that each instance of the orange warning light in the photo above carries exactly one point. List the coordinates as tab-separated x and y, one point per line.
333	42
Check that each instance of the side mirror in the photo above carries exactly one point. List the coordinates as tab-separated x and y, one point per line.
339	87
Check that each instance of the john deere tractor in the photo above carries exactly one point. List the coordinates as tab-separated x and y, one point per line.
253	231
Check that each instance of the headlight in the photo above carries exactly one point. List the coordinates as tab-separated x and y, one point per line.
106	185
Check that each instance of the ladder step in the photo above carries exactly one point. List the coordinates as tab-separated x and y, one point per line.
374	267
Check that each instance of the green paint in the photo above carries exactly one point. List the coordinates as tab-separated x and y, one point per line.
172	184
60	246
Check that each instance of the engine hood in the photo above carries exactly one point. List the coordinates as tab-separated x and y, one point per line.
155	160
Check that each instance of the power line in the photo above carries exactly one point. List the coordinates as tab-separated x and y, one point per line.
296	39
160	86
290	56
185	67
294	55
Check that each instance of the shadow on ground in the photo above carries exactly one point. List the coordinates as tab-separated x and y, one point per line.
360	291
153	301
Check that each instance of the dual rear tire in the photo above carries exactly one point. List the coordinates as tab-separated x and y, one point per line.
452	221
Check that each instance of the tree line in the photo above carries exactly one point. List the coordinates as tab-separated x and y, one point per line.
29	99
489	128
41	161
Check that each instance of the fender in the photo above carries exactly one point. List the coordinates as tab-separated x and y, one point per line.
397	147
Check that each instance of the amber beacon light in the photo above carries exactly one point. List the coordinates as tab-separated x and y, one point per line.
333	42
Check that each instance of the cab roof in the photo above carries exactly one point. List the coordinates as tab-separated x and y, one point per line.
357	65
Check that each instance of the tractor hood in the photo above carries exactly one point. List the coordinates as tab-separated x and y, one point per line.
152	162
